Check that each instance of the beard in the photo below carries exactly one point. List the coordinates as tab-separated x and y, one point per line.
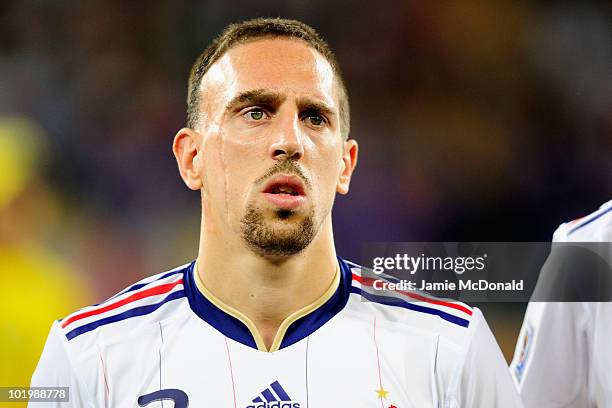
266	240
269	241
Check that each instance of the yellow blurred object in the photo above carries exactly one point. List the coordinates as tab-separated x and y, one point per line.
37	288
38	285
21	144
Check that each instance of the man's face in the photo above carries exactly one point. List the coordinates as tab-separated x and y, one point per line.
271	156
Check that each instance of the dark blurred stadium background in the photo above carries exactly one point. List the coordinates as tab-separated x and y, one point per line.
477	120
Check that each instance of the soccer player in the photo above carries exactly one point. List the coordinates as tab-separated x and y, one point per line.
563	354
267	315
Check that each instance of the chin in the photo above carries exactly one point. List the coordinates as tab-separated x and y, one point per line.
281	229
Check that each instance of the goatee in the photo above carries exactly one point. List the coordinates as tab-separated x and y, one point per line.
267	241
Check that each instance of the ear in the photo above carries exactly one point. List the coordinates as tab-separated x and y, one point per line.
349	161
186	152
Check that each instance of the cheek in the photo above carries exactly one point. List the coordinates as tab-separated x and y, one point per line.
327	170
244	162
238	165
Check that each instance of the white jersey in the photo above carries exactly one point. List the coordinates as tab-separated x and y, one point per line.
167	338
564	355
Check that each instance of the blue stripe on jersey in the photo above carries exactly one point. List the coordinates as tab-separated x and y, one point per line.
137	311
587	222
137	286
141	285
391	301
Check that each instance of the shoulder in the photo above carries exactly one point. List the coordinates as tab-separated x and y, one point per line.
445	319
594	227
146	302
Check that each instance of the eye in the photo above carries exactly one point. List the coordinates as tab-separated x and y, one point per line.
315	119
255	115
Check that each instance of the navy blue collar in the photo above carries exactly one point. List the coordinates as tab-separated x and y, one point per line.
238	331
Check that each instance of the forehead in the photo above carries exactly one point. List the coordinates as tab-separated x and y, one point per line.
286	66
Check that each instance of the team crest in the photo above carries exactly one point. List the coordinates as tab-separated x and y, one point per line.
524	354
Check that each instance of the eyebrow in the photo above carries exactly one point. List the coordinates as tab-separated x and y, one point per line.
311	105
255	97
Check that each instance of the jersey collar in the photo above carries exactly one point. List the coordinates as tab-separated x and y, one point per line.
294	328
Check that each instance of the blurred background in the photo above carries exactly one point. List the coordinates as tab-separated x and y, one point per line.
482	120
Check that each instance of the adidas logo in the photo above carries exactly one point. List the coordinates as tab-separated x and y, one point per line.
273	396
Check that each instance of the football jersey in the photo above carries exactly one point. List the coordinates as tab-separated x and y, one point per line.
167	340
563	357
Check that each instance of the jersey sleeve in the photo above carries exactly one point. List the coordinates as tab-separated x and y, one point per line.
550	361
549	364
482	378
55	369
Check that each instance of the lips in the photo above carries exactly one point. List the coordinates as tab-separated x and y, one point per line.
291	185
286	192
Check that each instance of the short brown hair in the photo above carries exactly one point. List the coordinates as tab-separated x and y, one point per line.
259	28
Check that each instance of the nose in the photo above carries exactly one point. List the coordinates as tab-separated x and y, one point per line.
287	139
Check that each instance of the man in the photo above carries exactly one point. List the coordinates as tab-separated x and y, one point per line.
563	354
268	315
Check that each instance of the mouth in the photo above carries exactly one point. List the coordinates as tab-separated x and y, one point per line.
285	185
285	191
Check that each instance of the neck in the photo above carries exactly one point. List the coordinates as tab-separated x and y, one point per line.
268	293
